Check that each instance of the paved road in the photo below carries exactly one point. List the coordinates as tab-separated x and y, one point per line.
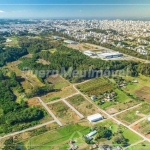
111	117
29	129
63	98
127	109
49	111
78	113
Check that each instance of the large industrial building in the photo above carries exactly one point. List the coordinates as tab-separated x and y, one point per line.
95	117
57	37
110	55
70	42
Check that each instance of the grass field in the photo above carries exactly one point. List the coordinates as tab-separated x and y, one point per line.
141	146
64	92
27	80
58	138
140	89
58	81
42	61
82	105
64	113
13	43
96	86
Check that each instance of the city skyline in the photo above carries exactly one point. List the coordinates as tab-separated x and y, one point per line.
74	9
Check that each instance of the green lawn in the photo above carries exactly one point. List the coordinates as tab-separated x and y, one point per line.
131	136
56	137
131	116
121	96
141	146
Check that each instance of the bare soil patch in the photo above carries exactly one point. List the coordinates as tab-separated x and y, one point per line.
143	93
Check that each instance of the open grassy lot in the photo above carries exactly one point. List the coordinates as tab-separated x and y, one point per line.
121	106
141	146
96	86
57	139
42	61
81	46
131	116
82	105
57	81
140	89
27	79
132	137
64	113
13	43
64	92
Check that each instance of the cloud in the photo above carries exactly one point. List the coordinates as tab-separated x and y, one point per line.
1	11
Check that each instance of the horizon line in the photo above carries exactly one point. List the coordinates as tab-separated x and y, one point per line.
81	4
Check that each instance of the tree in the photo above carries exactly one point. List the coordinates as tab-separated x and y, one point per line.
10	145
120	139
103	132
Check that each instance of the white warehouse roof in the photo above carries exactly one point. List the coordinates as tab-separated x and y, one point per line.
110	55
95	117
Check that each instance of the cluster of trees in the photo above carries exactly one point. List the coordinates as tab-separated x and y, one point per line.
13	113
10	144
39	91
35	45
2	39
103	132
11	54
67	57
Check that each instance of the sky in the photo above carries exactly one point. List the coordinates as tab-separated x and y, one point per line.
74	9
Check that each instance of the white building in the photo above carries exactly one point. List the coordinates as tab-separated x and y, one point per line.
70	42
110	55
89	53
95	117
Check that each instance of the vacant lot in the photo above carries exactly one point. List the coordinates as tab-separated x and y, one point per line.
140	89
121	106
64	113
96	86
131	116
64	92
57	81
143	93
57	139
81	46
143	127
33	102
13	43
82	105
27	79
42	61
